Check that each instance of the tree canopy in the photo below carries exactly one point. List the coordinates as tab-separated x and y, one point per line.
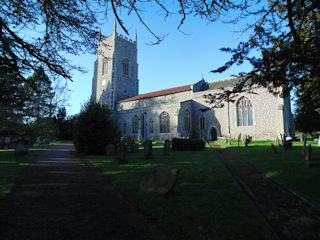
285	34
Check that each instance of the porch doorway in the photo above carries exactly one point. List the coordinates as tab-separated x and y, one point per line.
213	133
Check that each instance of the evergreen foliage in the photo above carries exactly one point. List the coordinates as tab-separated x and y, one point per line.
94	129
187	144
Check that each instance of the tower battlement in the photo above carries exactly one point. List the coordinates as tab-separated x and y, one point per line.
116	69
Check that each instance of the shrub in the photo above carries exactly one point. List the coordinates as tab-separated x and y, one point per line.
187	144
94	128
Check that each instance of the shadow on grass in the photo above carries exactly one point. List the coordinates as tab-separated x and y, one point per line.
288	167
12	166
205	203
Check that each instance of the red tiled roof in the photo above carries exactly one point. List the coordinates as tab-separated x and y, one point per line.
159	93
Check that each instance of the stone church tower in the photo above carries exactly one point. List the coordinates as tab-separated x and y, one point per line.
115	69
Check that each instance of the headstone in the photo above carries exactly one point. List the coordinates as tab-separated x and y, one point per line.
246	139
273	148
110	149
305	147
239	139
122	152
308	156
2	142
29	140
135	147
167	147
160	179
21	149
319	141
148	149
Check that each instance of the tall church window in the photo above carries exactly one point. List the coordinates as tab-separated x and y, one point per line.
164	119
135	124
244	112
151	125
125	67
124	126
105	66
187	120
202	122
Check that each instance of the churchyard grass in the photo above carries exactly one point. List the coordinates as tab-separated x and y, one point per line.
206	202
11	166
287	167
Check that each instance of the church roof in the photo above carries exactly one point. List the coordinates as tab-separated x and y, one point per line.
159	93
224	83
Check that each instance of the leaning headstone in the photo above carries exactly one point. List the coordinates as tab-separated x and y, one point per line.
166	147
239	139
147	149
110	149
122	152
273	148
160	179
21	149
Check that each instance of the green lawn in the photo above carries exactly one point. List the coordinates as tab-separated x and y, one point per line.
11	166
205	204
288	167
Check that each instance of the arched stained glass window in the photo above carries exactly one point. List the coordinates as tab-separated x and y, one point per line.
125	67
244	112
187	120
164	119
135	124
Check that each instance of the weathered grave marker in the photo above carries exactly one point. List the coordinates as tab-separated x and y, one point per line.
273	148
122	152
239	139
160	179
147	149
110	149
167	147
21	149
305	147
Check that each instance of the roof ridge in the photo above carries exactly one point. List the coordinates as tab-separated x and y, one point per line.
158	93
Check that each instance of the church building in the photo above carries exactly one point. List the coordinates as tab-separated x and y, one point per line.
177	112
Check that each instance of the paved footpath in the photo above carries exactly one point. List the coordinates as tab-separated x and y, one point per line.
289	216
60	197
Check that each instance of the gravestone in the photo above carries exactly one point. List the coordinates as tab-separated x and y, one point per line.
167	147
29	140
2	142
147	149
239	139
319	141
21	149
110	149
273	148
305	147
160	179
308	155
122	152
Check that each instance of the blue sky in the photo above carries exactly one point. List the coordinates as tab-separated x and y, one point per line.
180	59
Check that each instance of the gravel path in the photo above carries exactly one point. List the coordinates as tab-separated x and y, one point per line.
60	197
290	216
